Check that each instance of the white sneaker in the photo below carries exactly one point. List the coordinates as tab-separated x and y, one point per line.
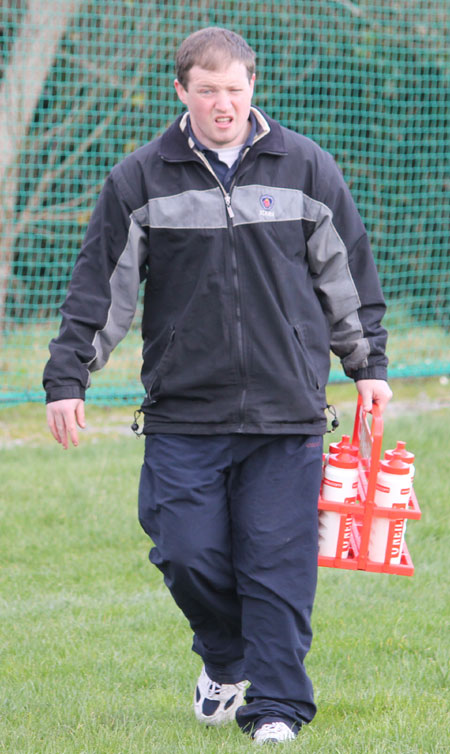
273	733
216	703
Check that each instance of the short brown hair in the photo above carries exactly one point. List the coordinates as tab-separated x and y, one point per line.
208	48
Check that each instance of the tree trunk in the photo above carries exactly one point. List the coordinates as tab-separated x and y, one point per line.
31	57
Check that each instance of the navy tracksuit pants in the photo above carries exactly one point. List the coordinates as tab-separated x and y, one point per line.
233	519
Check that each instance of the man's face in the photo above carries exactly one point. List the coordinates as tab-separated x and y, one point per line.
219	104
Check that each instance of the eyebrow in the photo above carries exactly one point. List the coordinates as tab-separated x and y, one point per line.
234	85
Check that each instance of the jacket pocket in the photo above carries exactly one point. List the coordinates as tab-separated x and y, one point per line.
154	379
308	366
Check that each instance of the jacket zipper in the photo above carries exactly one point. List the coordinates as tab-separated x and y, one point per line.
238	311
236	287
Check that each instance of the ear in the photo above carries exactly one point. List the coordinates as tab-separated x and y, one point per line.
252	82
181	91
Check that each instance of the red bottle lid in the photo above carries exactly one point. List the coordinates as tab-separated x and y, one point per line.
344	446
394	466
400	452
343	461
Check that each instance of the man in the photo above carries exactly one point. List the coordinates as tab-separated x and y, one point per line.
255	261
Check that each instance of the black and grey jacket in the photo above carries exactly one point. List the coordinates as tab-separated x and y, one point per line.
245	291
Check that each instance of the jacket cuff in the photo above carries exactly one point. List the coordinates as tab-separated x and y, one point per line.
61	392
369	373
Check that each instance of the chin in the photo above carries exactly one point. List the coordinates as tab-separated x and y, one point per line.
226	139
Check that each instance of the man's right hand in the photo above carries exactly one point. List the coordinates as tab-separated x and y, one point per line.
63	417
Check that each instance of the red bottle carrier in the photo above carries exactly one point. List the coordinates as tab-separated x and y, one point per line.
368	438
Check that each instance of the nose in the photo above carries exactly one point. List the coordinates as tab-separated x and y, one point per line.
223	101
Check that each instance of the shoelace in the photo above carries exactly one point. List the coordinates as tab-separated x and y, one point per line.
274	727
214	689
277	728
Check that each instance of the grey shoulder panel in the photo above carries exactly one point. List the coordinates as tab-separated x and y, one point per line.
328	261
334	284
124	286
188	210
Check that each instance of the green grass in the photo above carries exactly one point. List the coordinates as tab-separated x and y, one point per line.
95	657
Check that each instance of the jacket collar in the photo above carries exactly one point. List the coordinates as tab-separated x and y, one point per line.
175	143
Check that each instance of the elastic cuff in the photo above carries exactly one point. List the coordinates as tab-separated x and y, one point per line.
62	392
369	373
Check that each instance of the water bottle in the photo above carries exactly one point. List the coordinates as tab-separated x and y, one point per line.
392	490
339	484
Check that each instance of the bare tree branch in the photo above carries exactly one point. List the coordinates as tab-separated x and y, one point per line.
49	176
70	210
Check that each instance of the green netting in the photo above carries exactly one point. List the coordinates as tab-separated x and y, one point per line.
83	84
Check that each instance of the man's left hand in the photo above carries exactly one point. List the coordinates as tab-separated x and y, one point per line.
374	391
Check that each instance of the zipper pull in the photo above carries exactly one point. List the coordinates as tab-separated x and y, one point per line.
229	207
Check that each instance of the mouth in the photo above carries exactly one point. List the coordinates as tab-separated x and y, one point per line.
224	120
